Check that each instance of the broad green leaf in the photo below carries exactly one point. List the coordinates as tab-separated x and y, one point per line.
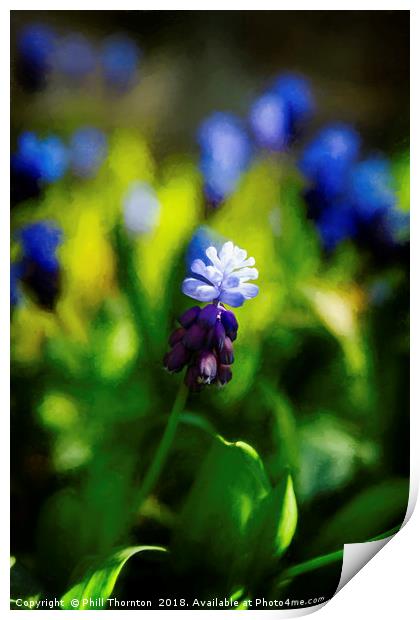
330	455
99	582
272	528
212	527
233	519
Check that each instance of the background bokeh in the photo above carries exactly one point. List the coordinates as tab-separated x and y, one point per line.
106	148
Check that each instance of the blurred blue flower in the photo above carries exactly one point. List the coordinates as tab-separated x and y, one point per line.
37	160
225	279
225	154
40	241
48	156
371	188
15	292
141	208
202	238
88	148
327	159
278	114
36	46
75	57
25	179
41	272
54	158
120	59
269	119
296	93
337	223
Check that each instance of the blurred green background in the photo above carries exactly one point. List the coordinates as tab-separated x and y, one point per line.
320	383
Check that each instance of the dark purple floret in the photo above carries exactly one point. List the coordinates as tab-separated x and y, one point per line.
195	337
176	336
177	358
207	366
224	374
230	324
226	354
218	336
204	345
189	316
208	315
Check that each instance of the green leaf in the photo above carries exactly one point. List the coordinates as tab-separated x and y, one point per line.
368	514
273	527
280	516
232	518
99	582
213	522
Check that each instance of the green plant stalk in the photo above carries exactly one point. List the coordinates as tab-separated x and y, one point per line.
329	558
159	460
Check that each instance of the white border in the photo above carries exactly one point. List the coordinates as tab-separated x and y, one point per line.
402	570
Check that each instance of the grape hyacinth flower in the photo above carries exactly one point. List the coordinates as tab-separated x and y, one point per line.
269	121
203	342
75	57
120	58
296	93
141	208
225	154
278	115
36	46
36	162
337	223
39	266
326	160
88	149
349	198
371	188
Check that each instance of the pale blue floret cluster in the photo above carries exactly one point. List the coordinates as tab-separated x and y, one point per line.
225	154
225	279
141	208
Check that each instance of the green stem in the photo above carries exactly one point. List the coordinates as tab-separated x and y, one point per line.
159	460
310	565
329	558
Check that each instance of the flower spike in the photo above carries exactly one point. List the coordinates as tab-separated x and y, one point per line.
203	343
